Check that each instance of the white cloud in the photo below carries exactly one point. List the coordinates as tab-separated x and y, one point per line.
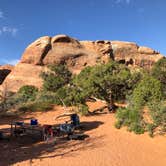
127	1
118	1
11	61
122	1
9	30
1	14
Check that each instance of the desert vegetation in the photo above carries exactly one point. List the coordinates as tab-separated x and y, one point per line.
111	82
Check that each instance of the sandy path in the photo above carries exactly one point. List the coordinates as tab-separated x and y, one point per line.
106	146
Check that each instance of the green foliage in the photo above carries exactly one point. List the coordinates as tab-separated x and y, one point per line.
150	129
111	81
131	118
9	103
5	98
118	124
27	93
159	72
132	82
48	97
158	114
138	128
99	81
35	106
102	80
58	76
83	109
72	95
148	90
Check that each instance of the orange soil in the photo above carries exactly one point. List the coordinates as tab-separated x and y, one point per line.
105	146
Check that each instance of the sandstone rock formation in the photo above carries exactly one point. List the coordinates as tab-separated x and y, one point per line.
131	54
77	55
23	74
36	51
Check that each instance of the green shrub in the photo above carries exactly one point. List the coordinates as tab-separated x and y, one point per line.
72	95
27	93
137	128
48	97
108	82
105	80
83	109
133	81
158	114
118	124
35	106
130	118
40	106
150	129
148	90
23	109
100	81
159	72
58	76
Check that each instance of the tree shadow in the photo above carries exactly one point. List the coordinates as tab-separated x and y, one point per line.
69	149
29	147
7	120
86	126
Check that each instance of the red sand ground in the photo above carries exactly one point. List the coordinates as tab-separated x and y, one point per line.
105	146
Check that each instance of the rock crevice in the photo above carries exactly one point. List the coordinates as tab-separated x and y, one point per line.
4	72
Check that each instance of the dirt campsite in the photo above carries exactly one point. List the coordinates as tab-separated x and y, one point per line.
104	145
82	83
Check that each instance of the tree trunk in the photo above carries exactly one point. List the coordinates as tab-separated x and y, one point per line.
111	106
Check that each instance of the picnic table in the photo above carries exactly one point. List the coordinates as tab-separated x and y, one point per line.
25	128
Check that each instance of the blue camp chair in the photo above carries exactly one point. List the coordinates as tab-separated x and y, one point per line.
75	120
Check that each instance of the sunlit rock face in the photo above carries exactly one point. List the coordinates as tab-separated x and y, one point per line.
134	55
62	49
36	51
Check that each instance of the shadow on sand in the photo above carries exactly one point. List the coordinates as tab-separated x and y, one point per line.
30	147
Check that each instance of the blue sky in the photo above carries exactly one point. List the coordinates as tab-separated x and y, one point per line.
23	21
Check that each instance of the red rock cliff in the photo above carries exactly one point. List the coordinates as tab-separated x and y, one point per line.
77	55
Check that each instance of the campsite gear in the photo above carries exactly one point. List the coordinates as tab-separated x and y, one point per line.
18	129
77	137
1	135
18	132
34	122
66	128
19	123
48	129
48	132
75	120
